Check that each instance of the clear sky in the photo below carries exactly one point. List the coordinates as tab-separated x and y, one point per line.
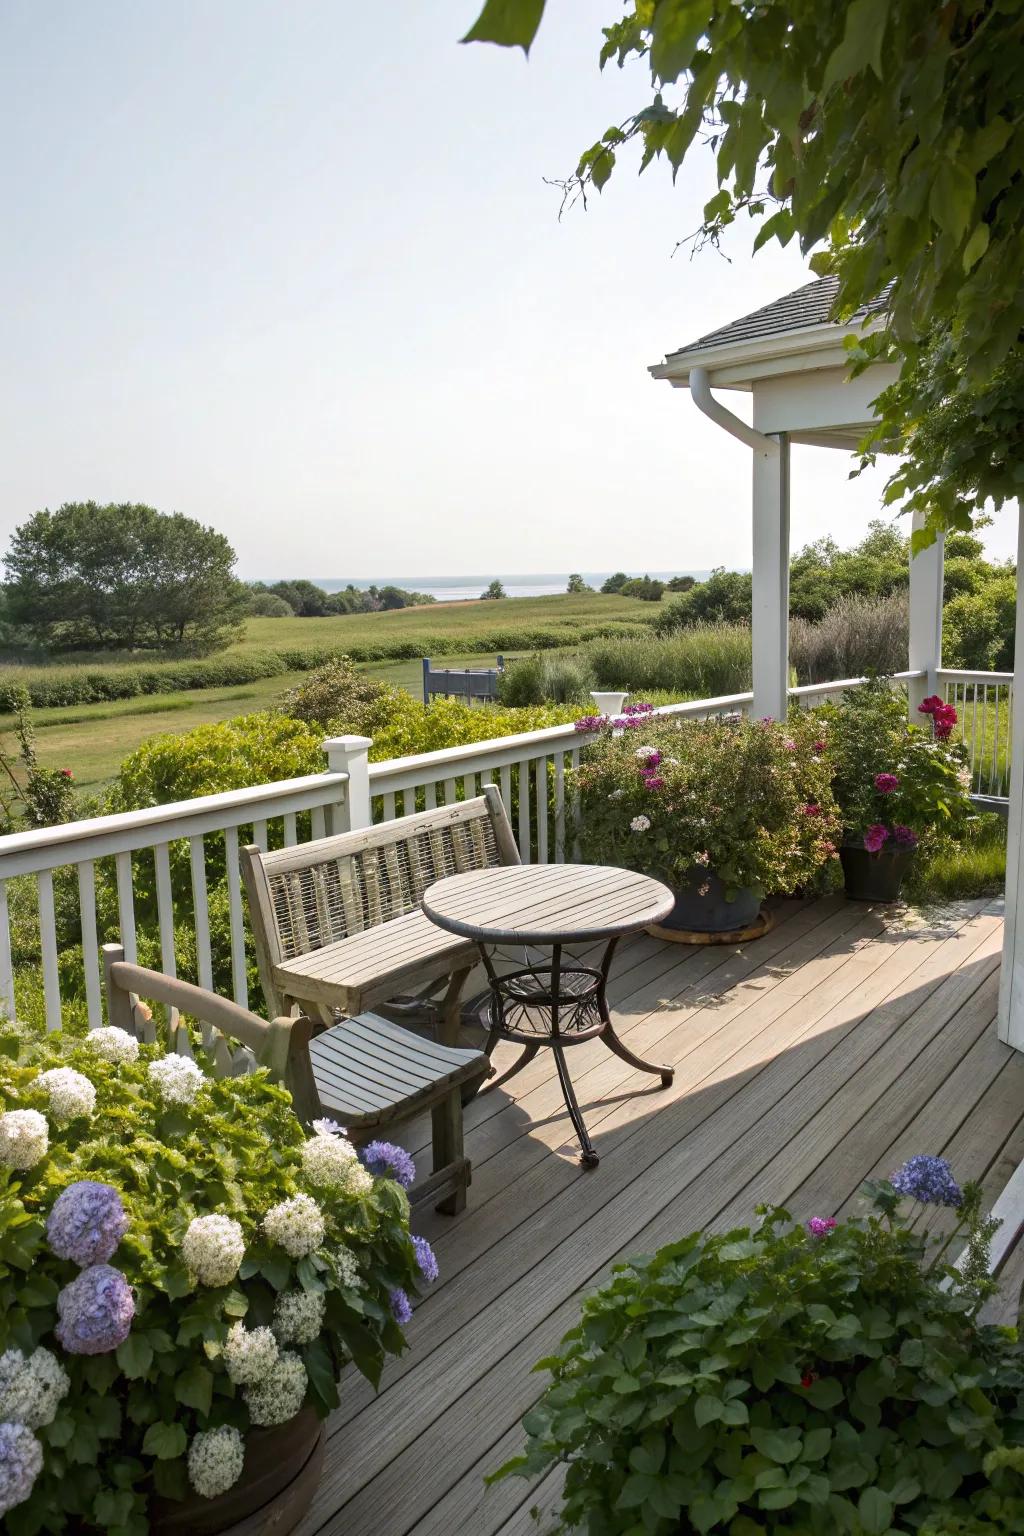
297	273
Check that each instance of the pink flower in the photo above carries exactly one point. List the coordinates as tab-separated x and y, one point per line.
653	781
821	1226
66	773
885	783
944	716
819	746
790	746
811	809
905	836
875	837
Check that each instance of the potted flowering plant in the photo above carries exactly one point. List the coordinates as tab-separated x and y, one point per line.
183	1274
723	811
898	785
818	1378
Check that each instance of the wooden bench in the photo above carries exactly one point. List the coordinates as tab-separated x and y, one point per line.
368	1074
338	922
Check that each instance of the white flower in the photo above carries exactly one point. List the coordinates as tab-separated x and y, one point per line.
964	778
327	1161
281	1394
348	1268
327	1128
21	1461
250	1354
213	1247
645	752
702	858
297	1224
177	1079
24	1138
113	1044
71	1093
640	824
358	1180
616	794
31	1390
299	1316
215	1460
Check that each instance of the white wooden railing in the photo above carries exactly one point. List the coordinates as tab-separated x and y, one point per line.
984	704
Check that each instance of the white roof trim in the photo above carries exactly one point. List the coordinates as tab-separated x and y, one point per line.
736	365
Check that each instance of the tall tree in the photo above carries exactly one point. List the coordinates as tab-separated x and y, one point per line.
122	577
892	131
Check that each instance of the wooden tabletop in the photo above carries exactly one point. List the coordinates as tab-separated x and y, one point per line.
546	903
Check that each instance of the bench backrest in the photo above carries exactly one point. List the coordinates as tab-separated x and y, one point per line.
311	895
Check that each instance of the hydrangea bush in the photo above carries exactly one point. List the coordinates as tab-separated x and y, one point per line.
748	801
897	784
827	1379
179	1264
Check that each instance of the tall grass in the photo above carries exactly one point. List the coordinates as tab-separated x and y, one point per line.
703	662
556	677
858	634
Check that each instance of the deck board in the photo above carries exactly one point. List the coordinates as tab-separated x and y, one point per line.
806	1061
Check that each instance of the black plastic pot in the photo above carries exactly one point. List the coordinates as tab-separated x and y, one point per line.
875	876
710	912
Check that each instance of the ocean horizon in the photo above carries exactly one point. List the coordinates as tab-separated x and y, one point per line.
455	589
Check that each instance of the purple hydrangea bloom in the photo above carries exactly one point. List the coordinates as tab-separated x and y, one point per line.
426	1259
390	1162
95	1311
21	1461
928	1179
87	1223
401	1306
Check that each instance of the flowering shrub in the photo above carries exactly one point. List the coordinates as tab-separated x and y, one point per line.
896	783
680	799
820	1379
178	1263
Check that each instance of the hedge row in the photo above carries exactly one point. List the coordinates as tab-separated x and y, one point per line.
94	685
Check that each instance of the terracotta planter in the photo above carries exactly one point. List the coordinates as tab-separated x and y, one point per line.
276	1488
711	913
875	876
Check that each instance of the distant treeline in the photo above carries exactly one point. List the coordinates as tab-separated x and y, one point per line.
305	600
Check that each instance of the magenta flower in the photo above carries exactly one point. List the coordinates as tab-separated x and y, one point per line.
819	746
821	1226
875	837
653	781
590	723
905	836
885	783
810	809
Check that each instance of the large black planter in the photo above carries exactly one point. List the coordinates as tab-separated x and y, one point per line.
711	913
875	876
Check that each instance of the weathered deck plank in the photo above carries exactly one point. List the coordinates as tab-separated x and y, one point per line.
805	1062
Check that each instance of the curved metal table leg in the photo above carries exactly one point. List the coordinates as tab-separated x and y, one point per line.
525	1056
611	1039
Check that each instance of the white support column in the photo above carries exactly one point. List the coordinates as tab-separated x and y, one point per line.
348	754
925	621
1011	980
770	607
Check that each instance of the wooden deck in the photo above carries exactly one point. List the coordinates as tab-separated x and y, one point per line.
833	1048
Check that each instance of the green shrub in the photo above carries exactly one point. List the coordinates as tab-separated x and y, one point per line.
230	754
827	1381
267	605
704	662
978	628
551	678
59	686
337	696
117	1429
958	869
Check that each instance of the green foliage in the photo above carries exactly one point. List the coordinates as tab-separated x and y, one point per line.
54	687
232	754
748	801
411	727
123	1429
336	694
494	591
771	1380
723	599
615	583
705	662
555	677
962	867
646	588
857	636
978	627
267	605
577	584
891	129
31	795
122	577
868	734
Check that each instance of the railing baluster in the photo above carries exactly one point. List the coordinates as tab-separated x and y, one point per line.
505	779
318	822
90	944
575	810
388	802
540	786
48	943
430	795
259	835
559	807
469	786
126	905
291	835
6	961
983	746
201	910
451	792
239	980
974	732
165	908
525	840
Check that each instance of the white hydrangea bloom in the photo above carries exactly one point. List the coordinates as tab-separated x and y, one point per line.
616	794
297	1224
645	752
215	1459
640	824
279	1396
358	1180
327	1161
113	1044
24	1138
298	1316
213	1247
348	1268
31	1390
250	1354
71	1093
21	1461
177	1079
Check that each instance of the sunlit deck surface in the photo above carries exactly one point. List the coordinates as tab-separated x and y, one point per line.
839	1044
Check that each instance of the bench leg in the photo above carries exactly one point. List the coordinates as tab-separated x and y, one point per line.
447	1138
451	1009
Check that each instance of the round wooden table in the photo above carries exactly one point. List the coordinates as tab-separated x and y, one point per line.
555	1004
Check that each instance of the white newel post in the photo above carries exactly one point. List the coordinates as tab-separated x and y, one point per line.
1011	979
348	754
925	621
770	598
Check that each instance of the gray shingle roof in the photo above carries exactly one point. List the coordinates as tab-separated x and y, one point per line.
806	306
